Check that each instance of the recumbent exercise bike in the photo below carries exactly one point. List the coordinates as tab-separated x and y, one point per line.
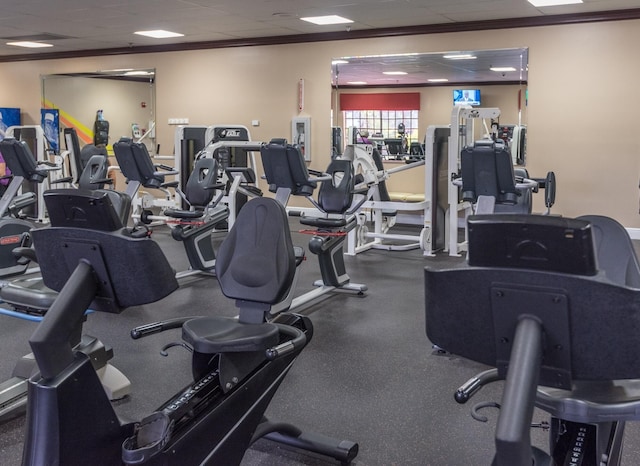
237	365
559	323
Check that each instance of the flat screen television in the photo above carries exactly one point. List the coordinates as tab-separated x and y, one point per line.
466	97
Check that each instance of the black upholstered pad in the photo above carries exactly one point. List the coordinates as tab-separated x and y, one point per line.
20	160
323	222
180	213
220	334
256	260
28	293
284	167
604	318
127	261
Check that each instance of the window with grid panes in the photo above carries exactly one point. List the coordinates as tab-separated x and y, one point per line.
384	122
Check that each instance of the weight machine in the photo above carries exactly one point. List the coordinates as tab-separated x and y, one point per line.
382	210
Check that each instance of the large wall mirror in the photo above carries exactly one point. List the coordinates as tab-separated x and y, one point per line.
488	78
126	99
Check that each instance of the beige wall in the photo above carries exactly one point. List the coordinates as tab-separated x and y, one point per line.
581	113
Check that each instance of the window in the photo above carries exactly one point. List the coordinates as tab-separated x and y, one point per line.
384	122
380	114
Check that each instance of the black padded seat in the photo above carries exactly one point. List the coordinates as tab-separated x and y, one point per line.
94	173
88	151
323	222
21	161
487	170
211	335
136	164
199	190
284	168
256	261
256	266
29	294
184	214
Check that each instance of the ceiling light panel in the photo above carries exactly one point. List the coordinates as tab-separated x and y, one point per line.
30	45
543	3
327	20
159	34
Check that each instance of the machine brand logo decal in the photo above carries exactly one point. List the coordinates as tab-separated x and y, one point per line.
230	133
15	239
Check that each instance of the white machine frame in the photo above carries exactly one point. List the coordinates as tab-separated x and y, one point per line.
362	159
462	133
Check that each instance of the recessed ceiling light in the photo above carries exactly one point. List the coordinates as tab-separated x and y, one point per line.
539	3
159	34
395	73
460	56
30	45
357	83
325	20
339	62
438	80
502	68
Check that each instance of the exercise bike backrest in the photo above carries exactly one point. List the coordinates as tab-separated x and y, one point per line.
202	182
530	276
284	167
256	261
135	163
20	160
89	228
487	170
94	173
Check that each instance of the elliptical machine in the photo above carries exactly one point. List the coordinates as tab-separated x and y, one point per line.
237	364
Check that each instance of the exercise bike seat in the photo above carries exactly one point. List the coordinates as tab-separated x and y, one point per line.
255	266
221	335
199	191
335	196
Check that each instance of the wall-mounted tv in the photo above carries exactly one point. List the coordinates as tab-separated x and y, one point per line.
466	97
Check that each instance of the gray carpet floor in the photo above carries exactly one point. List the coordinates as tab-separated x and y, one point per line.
369	375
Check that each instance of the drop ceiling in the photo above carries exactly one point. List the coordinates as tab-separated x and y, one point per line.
107	26
80	25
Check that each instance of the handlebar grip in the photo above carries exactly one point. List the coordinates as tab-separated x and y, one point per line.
157	327
144	330
295	213
474	384
299	339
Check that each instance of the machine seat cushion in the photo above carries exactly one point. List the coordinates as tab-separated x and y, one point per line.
216	334
324	222
179	213
28	294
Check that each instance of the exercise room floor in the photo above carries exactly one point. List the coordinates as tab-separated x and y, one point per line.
369	374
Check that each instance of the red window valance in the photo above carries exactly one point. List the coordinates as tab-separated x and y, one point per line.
395	101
